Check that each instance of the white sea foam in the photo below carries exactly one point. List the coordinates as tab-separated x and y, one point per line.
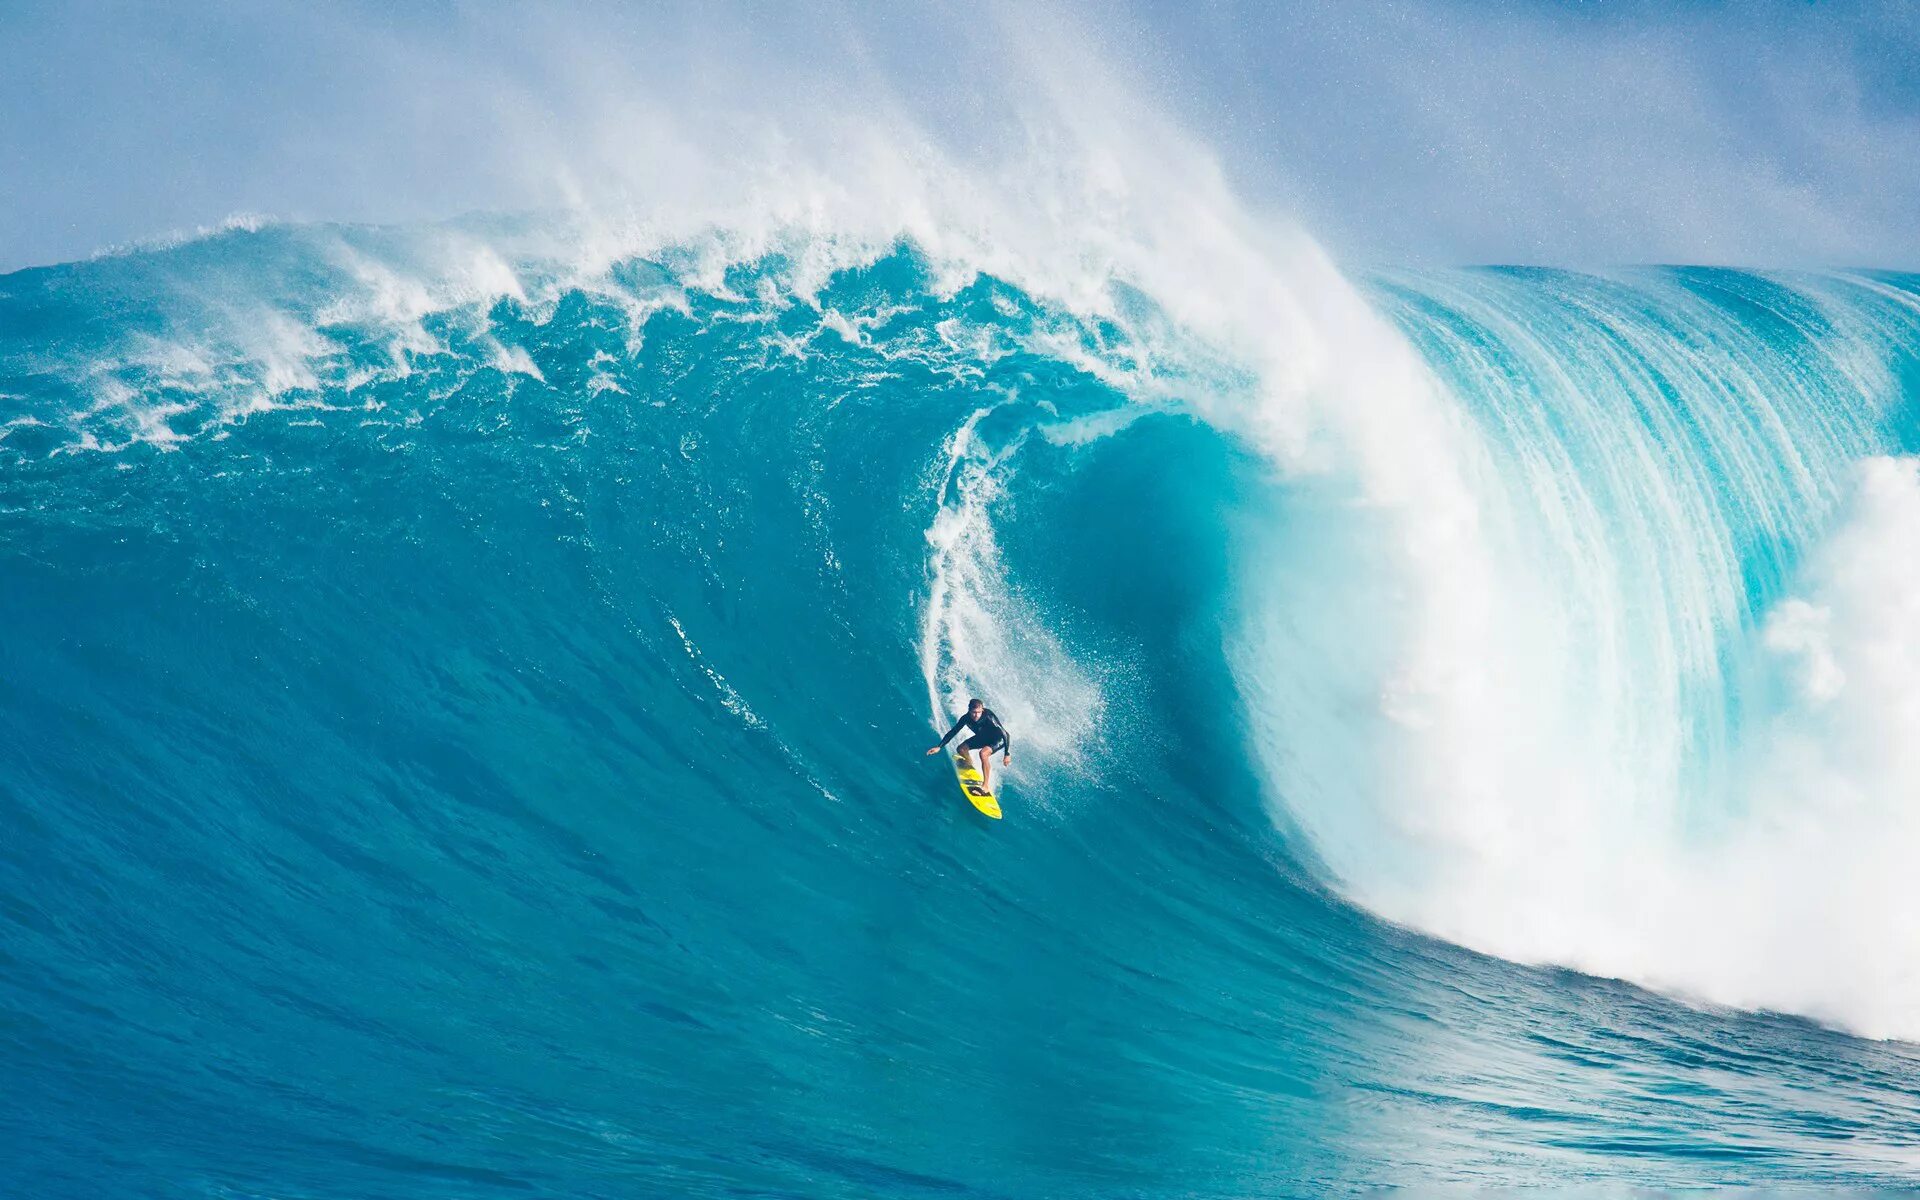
1799	897
1593	759
978	636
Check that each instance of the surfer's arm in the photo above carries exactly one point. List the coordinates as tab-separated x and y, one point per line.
1006	739
956	729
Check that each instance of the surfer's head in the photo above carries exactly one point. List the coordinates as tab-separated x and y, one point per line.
975	706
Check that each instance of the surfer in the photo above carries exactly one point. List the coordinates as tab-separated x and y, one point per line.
988	735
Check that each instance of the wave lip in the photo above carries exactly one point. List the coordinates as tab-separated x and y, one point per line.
1669	458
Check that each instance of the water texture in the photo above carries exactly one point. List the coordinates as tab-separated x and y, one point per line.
462	713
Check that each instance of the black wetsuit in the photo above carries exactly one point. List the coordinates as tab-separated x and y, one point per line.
988	733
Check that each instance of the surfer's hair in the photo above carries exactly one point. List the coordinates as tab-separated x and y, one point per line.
976	702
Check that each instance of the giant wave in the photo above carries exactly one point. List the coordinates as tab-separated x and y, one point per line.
464	689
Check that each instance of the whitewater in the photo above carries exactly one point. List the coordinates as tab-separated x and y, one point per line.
465	686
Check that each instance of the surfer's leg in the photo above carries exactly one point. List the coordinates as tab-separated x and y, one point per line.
986	769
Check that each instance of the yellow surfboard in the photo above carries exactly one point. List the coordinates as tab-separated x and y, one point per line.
969	776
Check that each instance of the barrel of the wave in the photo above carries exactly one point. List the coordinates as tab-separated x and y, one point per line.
973	787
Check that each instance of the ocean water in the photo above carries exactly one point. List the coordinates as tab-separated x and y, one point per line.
462	710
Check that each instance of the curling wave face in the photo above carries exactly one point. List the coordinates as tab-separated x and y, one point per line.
464	709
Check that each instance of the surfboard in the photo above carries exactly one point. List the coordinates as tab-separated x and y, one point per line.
969	776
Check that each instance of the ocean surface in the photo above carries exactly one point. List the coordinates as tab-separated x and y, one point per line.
463	703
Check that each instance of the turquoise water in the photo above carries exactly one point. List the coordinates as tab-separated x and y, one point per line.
462	732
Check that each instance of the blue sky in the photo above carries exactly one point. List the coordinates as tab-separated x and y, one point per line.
1420	130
